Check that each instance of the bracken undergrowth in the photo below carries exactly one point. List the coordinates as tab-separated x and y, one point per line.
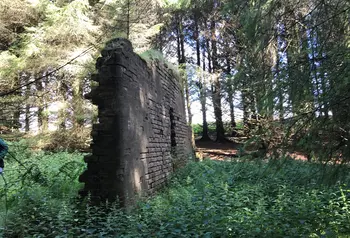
277	198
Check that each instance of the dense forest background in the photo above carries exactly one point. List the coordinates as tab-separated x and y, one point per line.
48	54
283	64
273	74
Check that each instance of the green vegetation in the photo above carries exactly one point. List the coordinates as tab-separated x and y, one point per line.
198	128
280	198
283	64
38	184
155	56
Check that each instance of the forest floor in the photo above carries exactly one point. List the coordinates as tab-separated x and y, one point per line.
236	198
217	151
230	149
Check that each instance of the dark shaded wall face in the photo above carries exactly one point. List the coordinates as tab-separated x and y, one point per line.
142	135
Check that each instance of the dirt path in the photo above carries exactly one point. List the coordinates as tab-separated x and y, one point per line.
217	151
228	150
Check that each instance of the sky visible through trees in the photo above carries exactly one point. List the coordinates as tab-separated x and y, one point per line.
246	62
269	79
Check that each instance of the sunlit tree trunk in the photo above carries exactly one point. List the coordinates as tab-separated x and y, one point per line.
182	64
203	98
230	92
216	88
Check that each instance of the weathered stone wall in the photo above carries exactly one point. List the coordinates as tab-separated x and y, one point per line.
142	133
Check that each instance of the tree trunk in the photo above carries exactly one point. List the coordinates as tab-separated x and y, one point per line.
308	97
182	43
178	40
246	113
40	112
252	104
62	113
230	92
208	49
188	106
182	63
216	90
45	118
279	84
78	111
232	113
42	115
198	50
16	114
269	95
203	99
27	109
245	102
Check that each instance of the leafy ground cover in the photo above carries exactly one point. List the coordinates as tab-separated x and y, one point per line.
283	198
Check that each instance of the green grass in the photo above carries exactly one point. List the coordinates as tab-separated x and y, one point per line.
206	199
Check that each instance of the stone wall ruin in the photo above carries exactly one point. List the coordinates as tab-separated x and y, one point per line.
142	133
